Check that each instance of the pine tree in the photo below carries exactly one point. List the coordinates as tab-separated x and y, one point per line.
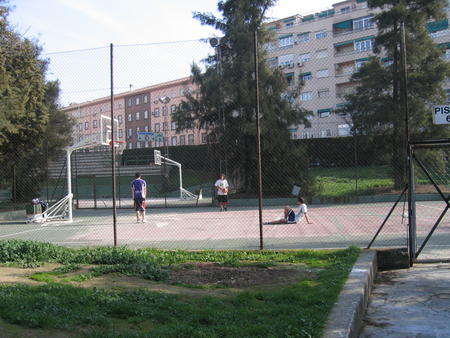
225	101
376	106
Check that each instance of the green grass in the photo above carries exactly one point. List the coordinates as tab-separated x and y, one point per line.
339	182
296	310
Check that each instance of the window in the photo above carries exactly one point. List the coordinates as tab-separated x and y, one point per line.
325	132
363	23
174	141
138	144
137	100
359	63
129	102
130	118
307	134
80	126
303	37
94	124
165	126
120	119
290	79
181	92
364	45
137	116
304	57
86	125
345	10
305	76
344	130
173	108
137	130
146	98
322	73
165	141
324	113
146	128
322	53
146	115
164	111
321	35
306	96
289	24
130	132
204	138
120	133
182	140
156	112
157	127
286	60
173	126
130	145
323	93
286	41
191	139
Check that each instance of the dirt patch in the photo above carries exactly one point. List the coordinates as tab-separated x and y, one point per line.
241	277
193	278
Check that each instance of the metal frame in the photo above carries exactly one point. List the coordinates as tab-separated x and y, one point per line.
446	199
184	194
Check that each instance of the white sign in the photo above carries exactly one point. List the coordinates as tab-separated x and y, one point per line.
149	136
441	115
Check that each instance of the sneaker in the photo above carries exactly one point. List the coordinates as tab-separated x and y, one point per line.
144	221
137	221
226	209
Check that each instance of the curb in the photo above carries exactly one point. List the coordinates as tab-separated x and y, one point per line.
346	317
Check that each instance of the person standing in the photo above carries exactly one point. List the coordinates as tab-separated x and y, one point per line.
222	192
139	193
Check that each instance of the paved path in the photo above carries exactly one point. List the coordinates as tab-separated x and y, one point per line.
410	303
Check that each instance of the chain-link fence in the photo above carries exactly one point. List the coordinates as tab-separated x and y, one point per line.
349	179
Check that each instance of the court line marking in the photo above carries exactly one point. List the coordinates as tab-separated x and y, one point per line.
21	232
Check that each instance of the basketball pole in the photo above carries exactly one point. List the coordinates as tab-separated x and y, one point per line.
69	184
113	152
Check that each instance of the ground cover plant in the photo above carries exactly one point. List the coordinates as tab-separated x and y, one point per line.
217	293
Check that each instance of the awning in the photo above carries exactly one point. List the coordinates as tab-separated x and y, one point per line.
344	24
325	110
366	38
445	45
362	59
361	0
344	43
436	26
308	18
285	36
305	74
341	105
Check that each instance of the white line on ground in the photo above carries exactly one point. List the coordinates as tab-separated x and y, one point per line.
21	232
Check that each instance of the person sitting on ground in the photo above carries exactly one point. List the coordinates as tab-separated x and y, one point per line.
291	217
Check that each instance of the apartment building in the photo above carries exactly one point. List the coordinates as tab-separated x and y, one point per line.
148	109
322	51
88	116
151	110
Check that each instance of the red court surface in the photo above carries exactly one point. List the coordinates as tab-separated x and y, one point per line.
334	226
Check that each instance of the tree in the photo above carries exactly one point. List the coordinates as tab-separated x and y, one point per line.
376	106
29	118
225	102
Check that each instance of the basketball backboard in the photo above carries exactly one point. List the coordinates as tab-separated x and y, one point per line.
106	130
157	154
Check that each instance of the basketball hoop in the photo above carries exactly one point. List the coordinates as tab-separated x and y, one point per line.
157	156
119	145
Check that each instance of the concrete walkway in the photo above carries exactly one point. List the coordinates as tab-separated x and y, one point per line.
410	303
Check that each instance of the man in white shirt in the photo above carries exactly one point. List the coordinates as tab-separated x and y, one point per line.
292	217
221	186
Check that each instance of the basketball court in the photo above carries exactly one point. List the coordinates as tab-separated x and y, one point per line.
334	226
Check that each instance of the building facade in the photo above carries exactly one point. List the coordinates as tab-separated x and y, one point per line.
149	109
322	51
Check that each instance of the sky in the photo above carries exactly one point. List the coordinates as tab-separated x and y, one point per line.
157	40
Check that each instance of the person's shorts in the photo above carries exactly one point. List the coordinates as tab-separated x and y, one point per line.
290	219
139	204
222	198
